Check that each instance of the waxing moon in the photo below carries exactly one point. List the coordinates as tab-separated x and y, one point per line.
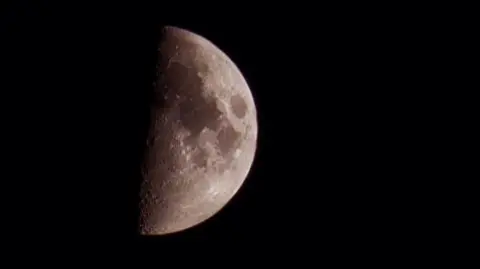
202	138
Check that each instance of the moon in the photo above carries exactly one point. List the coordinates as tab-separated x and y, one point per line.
203	134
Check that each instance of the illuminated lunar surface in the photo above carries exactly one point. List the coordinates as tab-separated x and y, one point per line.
202	138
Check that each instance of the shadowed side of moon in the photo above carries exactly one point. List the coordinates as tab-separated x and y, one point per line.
202	138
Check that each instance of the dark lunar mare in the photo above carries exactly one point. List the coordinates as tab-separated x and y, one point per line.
196	111
239	107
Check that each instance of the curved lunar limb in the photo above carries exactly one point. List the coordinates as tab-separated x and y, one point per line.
202	138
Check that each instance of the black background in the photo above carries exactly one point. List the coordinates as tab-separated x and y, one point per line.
75	105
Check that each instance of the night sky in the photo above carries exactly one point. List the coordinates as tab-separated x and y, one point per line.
78	81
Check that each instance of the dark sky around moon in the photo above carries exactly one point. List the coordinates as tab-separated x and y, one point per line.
75	94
